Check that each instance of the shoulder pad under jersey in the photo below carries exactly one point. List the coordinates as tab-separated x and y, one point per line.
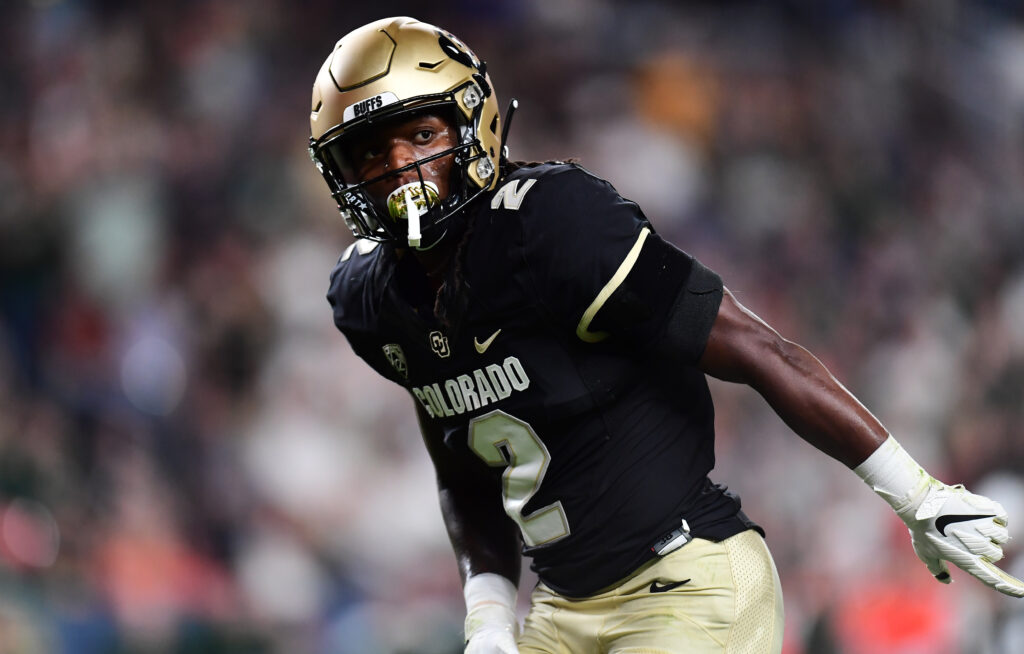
357	285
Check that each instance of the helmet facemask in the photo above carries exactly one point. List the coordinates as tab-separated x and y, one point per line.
395	218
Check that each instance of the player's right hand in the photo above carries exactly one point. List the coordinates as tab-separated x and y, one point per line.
949	523
491	624
492	639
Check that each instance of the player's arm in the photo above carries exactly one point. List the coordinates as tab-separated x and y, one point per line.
947	523
743	348
485	541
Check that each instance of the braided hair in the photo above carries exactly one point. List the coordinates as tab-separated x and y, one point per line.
452	288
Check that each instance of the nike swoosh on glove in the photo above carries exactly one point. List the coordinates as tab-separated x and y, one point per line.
947	523
950	523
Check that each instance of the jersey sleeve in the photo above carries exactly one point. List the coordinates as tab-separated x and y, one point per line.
601	270
354	295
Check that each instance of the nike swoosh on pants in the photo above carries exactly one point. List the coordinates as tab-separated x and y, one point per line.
661	588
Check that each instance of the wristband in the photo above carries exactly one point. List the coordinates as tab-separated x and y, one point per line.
490	600
892	473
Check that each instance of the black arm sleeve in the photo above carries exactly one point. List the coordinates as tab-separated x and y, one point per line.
601	270
666	304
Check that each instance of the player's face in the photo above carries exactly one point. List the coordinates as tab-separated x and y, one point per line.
396	145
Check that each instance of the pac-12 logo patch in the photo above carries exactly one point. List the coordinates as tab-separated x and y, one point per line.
439	344
396	357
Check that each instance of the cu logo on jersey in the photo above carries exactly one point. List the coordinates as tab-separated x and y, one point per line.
439	344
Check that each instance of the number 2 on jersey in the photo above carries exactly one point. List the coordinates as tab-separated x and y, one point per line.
502	440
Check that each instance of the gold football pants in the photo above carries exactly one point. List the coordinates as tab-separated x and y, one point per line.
704	597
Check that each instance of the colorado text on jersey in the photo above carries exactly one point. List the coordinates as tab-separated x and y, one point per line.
469	392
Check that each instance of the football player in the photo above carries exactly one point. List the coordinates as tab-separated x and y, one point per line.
555	348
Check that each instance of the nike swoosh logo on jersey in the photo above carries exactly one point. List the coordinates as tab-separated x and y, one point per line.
661	588
482	347
944	521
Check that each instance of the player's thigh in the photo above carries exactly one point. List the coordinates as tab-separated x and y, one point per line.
557	625
731	603
759	610
540	635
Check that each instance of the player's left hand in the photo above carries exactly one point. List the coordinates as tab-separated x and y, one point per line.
949	523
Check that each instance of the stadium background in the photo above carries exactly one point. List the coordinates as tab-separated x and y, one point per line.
192	459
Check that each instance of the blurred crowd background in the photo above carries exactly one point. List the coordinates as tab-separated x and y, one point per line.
193	460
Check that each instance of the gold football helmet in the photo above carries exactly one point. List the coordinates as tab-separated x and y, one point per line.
390	69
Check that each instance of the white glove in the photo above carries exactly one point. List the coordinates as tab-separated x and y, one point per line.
491	625
947	523
492	640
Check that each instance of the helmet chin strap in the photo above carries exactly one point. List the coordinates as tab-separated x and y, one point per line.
452	225
433	245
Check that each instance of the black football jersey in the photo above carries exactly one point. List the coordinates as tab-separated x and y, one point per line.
566	363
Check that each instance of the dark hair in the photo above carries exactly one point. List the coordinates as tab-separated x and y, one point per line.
449	293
